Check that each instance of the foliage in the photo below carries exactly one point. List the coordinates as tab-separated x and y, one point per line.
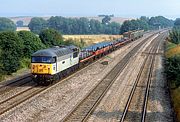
176	98
106	20
25	62
81	26
177	22
144	18
37	24
145	23
173	69
6	24
11	46
19	23
31	43
175	35
51	37
95	27
131	25
160	21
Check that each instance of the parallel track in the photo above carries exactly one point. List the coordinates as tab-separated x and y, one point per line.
20	81
13	101
150	58
83	110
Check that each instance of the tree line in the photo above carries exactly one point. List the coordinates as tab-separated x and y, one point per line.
75	25
85	26
146	23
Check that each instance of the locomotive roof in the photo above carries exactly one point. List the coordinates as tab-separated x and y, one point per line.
55	51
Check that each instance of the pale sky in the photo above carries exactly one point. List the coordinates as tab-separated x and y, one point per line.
122	8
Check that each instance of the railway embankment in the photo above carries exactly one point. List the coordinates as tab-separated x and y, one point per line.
172	56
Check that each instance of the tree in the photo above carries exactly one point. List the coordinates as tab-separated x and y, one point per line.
175	35
11	46
37	24
106	20
144	18
57	23
19	23
173	69
177	22
83	25
160	21
6	24
31	43
51	37
126	26
95	27
115	28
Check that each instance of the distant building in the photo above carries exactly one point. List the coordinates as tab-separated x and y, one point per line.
22	29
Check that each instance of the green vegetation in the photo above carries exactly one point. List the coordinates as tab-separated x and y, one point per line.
51	37
19	23
6	24
11	51
173	65
16	49
160	21
175	33
177	23
134	25
31	43
37	24
145	23
75	26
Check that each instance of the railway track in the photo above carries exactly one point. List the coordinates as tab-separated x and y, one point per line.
18	98
83	110
12	84
147	68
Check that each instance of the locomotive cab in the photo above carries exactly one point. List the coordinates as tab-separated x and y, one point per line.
51	64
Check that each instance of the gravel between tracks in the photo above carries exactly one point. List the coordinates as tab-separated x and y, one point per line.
159	104
54	103
112	105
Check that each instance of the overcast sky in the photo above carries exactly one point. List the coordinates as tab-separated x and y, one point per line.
122	8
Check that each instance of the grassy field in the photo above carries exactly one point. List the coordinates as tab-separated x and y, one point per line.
172	50
91	39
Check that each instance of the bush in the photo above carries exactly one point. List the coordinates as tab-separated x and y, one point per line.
6	24
25	63
11	47
173	70
31	43
51	37
175	35
37	24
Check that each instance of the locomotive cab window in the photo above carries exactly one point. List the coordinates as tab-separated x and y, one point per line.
75	54
41	59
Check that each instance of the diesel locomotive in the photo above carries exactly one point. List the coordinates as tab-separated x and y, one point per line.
49	65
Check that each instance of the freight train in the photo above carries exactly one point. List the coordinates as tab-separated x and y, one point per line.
52	64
